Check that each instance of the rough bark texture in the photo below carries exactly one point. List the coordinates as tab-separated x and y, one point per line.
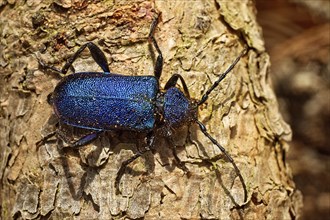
199	39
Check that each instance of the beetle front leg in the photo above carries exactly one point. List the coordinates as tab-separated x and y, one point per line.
174	80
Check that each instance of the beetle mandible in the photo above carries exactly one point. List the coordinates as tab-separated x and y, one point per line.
104	101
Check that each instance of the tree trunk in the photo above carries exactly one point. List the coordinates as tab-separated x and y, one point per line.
199	40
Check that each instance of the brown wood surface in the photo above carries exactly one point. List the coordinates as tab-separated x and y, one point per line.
199	40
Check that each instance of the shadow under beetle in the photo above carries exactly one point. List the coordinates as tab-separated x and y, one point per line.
104	101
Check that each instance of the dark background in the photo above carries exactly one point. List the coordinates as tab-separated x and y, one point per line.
297	36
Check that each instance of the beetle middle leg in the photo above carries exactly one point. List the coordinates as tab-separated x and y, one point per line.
150	143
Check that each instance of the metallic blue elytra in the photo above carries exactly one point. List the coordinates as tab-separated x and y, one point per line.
99	101
103	101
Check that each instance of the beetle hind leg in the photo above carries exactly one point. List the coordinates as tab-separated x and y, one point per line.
94	50
81	141
96	53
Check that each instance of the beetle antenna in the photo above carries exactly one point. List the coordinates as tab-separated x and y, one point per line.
223	150
221	77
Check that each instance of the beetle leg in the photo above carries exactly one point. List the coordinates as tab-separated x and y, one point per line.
173	81
82	141
150	143
159	61
46	66
85	140
45	139
96	53
79	143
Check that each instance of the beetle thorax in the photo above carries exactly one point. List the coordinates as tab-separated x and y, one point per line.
177	108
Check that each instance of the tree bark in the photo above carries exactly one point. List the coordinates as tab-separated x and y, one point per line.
199	40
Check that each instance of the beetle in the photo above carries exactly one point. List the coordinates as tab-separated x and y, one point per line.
105	101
